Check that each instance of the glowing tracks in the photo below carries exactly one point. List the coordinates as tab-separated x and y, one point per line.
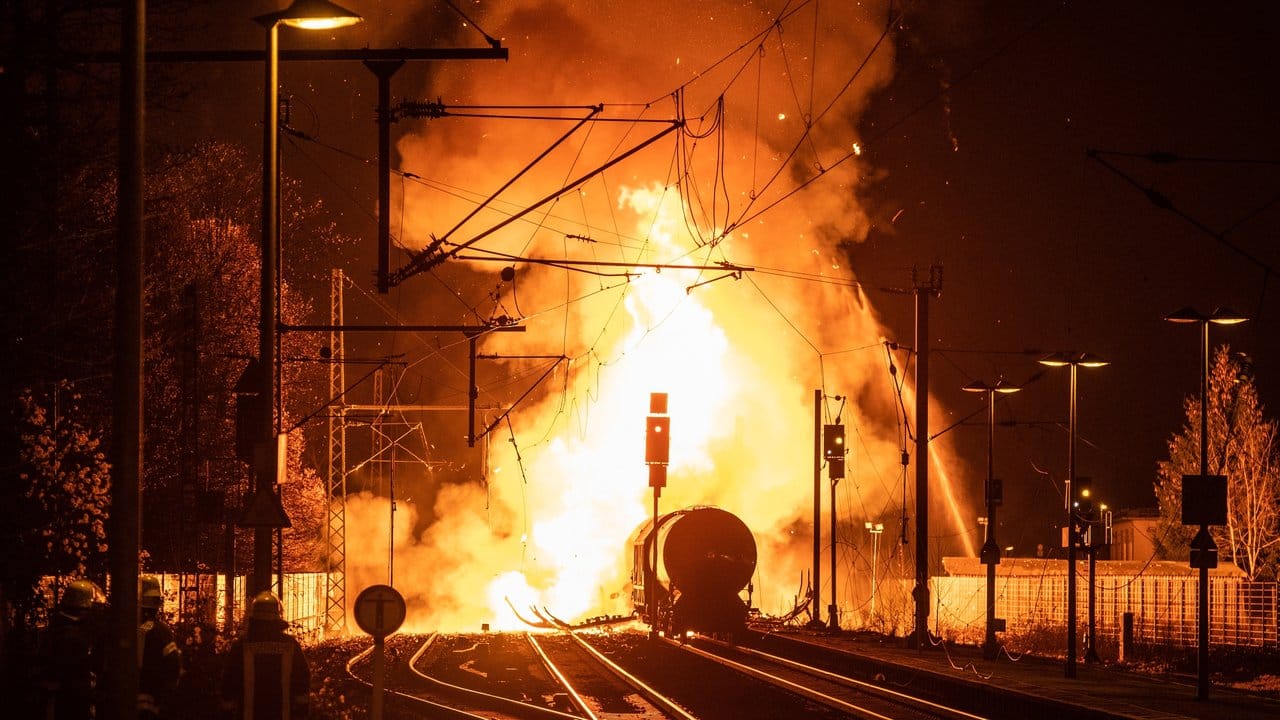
835	691
429	708
507	707
617	675
612	696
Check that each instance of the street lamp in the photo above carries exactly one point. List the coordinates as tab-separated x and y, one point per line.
1073	360
990	550
1220	316
308	15
876	529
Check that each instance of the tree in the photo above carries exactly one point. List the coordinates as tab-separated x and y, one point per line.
202	285
1242	446
65	480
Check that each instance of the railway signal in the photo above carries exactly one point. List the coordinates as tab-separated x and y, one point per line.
657	451
833	449
657	440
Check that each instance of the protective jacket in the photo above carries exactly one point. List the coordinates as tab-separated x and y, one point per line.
70	663
159	666
266	677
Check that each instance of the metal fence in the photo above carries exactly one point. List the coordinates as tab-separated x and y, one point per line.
204	599
1241	613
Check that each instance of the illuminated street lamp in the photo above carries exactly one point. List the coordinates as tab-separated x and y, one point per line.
876	529
1072	360
990	550
1204	541
308	15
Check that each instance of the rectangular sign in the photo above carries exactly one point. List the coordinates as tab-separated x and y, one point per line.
1204	499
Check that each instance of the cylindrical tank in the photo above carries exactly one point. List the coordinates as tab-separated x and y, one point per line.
708	551
708	556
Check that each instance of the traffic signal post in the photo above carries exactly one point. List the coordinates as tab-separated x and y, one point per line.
833	452
657	452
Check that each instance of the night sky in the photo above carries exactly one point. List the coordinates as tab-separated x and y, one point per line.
975	161
1045	249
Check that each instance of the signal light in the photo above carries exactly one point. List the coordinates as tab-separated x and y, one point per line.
1083	500
657	441
832	441
833	449
1083	488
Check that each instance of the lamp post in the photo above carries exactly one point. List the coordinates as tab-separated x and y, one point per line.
308	15
990	550
876	529
1073	360
1220	316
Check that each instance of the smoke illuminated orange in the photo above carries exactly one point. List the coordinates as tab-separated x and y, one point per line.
738	356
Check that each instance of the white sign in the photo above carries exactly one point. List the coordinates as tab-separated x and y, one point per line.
379	610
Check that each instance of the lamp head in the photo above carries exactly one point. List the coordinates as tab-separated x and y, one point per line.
1186	315
1000	386
1083	359
1058	359
312	15
1090	360
1226	316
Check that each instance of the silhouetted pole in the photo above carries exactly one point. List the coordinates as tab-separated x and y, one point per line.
383	70
1091	654
310	15
920	635
1072	360
264	459
1202	614
121	699
833	613
1072	537
817	507
1220	316
990	548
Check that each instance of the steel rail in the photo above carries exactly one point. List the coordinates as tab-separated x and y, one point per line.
853	684
497	702
801	690
560	677
440	711
663	703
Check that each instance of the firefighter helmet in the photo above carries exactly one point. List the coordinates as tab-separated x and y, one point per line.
149	594
266	606
82	595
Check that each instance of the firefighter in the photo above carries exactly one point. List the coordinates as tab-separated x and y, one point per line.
70	653
159	658
266	676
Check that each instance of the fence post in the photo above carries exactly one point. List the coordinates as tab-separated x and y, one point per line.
1126	637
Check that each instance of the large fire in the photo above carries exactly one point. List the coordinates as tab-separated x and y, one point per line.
739	355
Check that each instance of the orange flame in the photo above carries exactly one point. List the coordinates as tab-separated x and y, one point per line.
738	358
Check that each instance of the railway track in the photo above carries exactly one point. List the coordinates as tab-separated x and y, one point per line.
624	676
556	677
715	680
837	691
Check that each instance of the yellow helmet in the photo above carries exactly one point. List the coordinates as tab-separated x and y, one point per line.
149	594
82	595
266	606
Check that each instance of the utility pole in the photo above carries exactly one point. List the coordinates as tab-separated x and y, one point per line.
121	696
816	572
923	291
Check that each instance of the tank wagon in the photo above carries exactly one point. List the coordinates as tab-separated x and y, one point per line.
706	557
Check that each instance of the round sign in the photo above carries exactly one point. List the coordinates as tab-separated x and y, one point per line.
379	610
